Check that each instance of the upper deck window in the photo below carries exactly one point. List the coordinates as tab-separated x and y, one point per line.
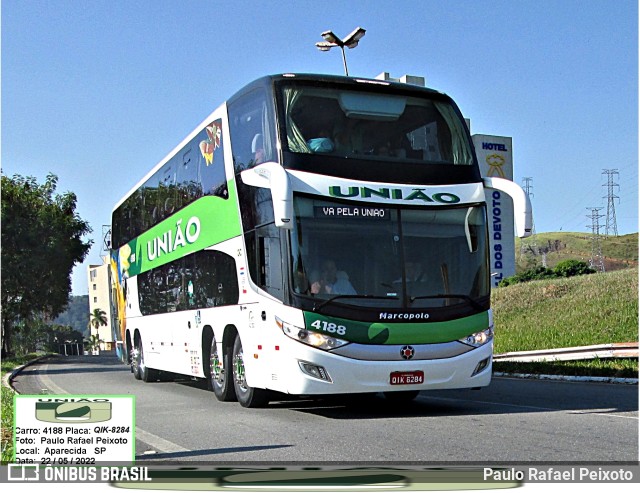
252	134
380	126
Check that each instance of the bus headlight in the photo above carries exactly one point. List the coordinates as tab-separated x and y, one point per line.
315	339
479	338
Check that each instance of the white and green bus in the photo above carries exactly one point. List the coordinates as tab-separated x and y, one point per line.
314	235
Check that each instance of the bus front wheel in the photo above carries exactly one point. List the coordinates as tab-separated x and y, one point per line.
247	396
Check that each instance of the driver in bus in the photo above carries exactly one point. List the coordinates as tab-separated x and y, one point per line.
332	281
414	272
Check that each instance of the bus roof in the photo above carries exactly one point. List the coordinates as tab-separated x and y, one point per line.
333	79
268	81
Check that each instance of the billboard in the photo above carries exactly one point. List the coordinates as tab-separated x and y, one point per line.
495	157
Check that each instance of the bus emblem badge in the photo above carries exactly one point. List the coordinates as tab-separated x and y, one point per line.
407	352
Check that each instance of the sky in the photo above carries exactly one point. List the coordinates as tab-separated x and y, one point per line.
99	92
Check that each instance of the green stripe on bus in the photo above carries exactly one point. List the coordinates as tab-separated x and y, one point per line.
205	222
396	333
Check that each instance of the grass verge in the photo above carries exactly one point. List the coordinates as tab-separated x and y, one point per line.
577	311
7	365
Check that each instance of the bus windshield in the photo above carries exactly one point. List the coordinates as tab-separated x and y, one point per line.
392	257
388	127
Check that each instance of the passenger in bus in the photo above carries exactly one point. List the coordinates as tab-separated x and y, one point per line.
332	281
322	143
349	138
257	148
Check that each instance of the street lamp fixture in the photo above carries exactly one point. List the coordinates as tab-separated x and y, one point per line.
350	41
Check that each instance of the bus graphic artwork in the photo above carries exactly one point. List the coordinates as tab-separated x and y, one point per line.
207	147
339	244
73	412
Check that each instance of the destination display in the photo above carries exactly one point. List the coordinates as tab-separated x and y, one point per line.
352	212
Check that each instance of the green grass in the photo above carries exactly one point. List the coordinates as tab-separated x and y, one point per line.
611	368
577	311
8	365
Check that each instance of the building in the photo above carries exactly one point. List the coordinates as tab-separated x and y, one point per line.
99	297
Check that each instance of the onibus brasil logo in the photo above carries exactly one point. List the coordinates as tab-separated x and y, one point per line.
73	411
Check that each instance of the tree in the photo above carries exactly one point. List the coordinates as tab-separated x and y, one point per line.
42	239
93	343
60	335
98	318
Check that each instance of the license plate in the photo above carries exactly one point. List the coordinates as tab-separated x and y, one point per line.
406	377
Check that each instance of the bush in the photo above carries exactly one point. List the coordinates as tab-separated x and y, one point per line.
566	268
570	268
529	275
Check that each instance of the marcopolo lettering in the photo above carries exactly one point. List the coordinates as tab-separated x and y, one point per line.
393	194
403	316
490	146
171	240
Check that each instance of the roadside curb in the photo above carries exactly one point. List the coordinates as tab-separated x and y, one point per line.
6	380
599	351
567	378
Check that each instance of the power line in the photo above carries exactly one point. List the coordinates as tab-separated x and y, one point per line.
612	226
597	261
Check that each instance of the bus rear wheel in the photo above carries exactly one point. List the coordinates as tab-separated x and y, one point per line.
140	370
247	396
218	379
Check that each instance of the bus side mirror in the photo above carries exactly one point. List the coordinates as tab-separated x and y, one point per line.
274	177
521	203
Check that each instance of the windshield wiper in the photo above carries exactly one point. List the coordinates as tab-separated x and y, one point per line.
465	297
354	296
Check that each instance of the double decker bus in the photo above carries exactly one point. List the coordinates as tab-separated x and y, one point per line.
314	235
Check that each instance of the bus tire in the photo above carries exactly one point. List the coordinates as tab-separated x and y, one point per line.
135	359
401	396
218	376
141	370
247	396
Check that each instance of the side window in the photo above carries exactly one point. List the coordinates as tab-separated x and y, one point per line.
252	131
252	255
202	280
269	260
189	186
150	202
211	160
226	279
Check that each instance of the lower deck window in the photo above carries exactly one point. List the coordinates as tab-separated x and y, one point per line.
202	280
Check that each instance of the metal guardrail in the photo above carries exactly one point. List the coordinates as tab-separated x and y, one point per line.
601	351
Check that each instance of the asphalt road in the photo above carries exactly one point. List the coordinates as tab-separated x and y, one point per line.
513	420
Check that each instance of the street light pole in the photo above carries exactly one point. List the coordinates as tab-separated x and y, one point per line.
344	61
350	41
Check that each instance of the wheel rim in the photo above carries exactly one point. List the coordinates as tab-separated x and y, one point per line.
215	366
238	371
135	359
140	359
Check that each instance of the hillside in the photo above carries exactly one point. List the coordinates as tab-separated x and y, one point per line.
576	311
76	315
619	252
